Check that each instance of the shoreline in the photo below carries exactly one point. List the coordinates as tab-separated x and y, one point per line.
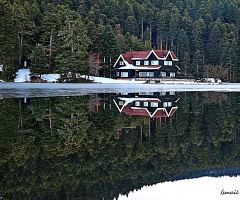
28	90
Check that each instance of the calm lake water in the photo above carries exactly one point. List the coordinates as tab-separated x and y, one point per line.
100	146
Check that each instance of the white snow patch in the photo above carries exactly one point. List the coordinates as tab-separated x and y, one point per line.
175	82
23	75
189	189
53	78
109	80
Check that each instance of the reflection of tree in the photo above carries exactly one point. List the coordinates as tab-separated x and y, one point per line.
94	100
91	156
215	97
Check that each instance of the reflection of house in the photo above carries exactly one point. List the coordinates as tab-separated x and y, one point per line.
152	104
142	64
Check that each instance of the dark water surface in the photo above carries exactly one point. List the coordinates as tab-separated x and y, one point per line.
99	146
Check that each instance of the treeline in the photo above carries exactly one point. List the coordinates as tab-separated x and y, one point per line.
66	36
61	148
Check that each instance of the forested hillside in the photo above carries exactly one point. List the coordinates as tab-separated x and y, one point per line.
66	36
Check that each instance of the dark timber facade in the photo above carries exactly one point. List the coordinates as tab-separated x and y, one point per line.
146	64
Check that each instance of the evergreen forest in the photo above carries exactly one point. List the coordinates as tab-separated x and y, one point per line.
62	148
68	36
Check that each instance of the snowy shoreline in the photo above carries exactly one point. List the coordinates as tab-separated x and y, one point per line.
23	89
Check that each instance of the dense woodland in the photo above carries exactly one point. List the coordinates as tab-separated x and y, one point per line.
66	36
61	148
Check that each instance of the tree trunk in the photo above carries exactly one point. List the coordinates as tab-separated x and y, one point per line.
161	42
20	52
142	29
50	44
50	50
151	33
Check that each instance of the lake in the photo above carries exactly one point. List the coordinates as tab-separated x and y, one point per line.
98	142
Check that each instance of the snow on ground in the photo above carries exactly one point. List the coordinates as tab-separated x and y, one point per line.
23	75
198	189
51	77
109	80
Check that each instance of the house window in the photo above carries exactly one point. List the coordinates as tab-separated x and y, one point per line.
145	93
137	62
145	104
163	93
124	74
154	104
172	93
137	103
169	63
163	74
142	74
118	74
172	74
146	62
167	104
121	63
154	62
151	74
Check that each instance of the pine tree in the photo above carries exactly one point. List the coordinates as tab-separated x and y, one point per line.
8	35
142	16
51	26
73	54
215	45
197	65
183	51
109	46
39	62
131	26
25	27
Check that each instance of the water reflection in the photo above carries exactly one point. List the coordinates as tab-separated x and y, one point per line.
103	145
151	104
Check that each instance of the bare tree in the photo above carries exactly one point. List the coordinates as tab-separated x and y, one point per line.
94	66
215	71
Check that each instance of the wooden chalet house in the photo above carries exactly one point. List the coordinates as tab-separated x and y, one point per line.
151	104
146	64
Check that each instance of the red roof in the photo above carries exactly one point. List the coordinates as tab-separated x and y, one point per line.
143	112
144	54
161	53
127	58
173	55
138	54
162	113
